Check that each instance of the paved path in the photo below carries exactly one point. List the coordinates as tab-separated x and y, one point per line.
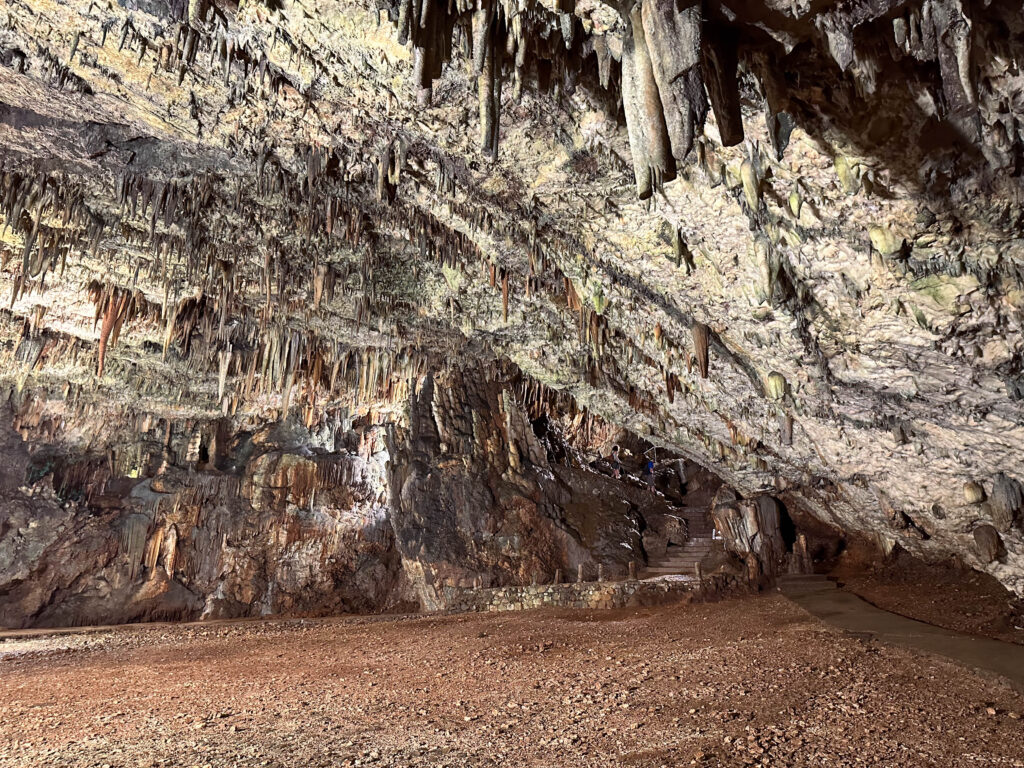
849	612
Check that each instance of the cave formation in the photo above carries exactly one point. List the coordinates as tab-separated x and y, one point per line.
315	307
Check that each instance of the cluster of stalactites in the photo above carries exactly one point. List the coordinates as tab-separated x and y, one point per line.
491	32
664	59
676	61
50	216
662	88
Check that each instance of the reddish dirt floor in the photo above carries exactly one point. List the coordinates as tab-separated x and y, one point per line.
744	682
959	599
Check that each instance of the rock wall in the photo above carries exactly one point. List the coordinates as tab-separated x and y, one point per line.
751	529
292	531
155	518
594	595
475	500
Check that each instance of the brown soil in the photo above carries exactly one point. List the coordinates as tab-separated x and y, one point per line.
743	682
960	599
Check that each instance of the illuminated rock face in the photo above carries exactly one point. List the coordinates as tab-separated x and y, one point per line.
291	531
236	212
190	520
475	500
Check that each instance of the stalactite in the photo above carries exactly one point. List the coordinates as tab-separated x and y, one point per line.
106	329
504	296
720	62
786	429
488	71
653	162
673	36
701	338
224	357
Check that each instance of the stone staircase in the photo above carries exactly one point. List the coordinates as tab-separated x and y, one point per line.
682	560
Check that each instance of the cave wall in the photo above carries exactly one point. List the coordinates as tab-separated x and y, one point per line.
476	500
292	530
159	518
780	239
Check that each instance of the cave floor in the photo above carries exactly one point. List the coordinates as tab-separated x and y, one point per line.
743	682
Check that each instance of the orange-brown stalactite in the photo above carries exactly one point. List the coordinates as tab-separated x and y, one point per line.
105	331
504	296
701	339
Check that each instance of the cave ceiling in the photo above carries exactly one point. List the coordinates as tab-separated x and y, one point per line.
781	239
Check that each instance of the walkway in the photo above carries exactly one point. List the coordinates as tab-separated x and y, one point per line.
818	596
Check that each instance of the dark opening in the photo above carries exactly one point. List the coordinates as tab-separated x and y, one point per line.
549	438
786	527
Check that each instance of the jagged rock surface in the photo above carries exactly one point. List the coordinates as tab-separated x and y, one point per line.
289	532
220	519
248	210
475	500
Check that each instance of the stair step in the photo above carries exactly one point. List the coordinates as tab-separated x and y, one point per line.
687	553
690	553
685	558
687	565
684	555
681	556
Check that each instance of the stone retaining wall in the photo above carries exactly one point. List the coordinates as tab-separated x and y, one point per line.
586	595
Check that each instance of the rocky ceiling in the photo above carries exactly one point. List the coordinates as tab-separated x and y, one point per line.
781	238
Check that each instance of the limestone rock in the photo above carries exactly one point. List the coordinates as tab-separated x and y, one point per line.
989	543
